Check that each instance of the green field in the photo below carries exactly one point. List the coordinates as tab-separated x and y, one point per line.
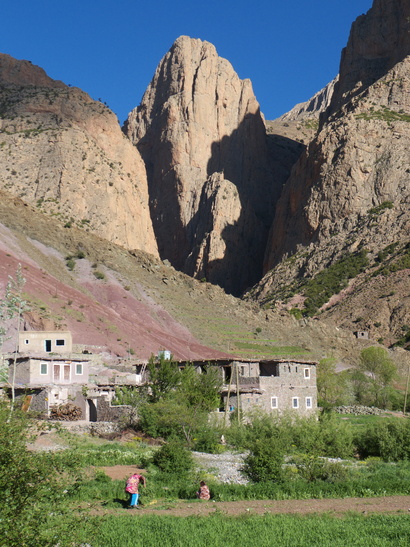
264	531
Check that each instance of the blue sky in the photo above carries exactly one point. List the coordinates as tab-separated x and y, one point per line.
110	49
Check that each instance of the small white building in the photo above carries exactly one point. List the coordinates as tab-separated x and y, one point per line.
45	342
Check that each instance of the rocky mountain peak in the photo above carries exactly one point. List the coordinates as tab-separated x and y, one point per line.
378	40
198	118
66	154
23	73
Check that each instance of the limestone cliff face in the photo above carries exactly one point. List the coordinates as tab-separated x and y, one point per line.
358	161
378	40
201	134
314	106
66	154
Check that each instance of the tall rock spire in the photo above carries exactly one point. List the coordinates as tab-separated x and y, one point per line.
201	134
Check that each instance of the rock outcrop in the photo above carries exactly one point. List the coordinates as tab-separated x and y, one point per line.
65	153
359	158
212	190
378	41
350	190
312	108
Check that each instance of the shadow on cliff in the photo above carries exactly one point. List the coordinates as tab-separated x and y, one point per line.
258	165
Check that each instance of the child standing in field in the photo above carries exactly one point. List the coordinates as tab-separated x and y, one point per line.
203	492
132	488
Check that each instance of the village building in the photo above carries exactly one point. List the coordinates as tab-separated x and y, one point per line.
47	374
271	385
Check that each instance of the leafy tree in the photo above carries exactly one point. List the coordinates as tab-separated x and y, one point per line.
180	399
13	306
170	418
164	376
200	391
34	489
381	370
331	387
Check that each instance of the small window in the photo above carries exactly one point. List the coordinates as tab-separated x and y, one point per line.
295	402
27	342
308	402
79	369
43	368
60	342
307	373
274	402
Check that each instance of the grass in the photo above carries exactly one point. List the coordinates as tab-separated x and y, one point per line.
281	530
361	420
385	114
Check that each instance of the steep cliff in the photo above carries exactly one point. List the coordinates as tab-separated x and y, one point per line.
350	190
378	40
198	123
66	154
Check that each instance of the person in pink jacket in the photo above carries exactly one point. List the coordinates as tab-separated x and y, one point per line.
203	492
132	488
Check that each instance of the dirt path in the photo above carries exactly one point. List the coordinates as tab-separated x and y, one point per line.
390	504
337	507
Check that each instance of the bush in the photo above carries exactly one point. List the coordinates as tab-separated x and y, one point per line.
99	275
313	468
208	440
265	462
174	458
389	440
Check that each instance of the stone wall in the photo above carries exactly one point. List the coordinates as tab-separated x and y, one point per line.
111	413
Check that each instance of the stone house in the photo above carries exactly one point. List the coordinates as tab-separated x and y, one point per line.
272	385
44	381
48	374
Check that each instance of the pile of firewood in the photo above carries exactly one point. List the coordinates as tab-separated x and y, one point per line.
67	412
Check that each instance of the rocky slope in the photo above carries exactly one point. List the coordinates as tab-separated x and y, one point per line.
378	41
140	303
66	154
212	186
350	189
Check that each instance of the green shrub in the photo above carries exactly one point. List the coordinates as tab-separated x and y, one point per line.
265	461
332	280
389	440
99	275
70	263
312	468
174	458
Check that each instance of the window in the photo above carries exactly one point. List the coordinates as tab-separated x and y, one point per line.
307	373
43	368
274	402
27	341
78	368
295	402
47	345
308	402
60	342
